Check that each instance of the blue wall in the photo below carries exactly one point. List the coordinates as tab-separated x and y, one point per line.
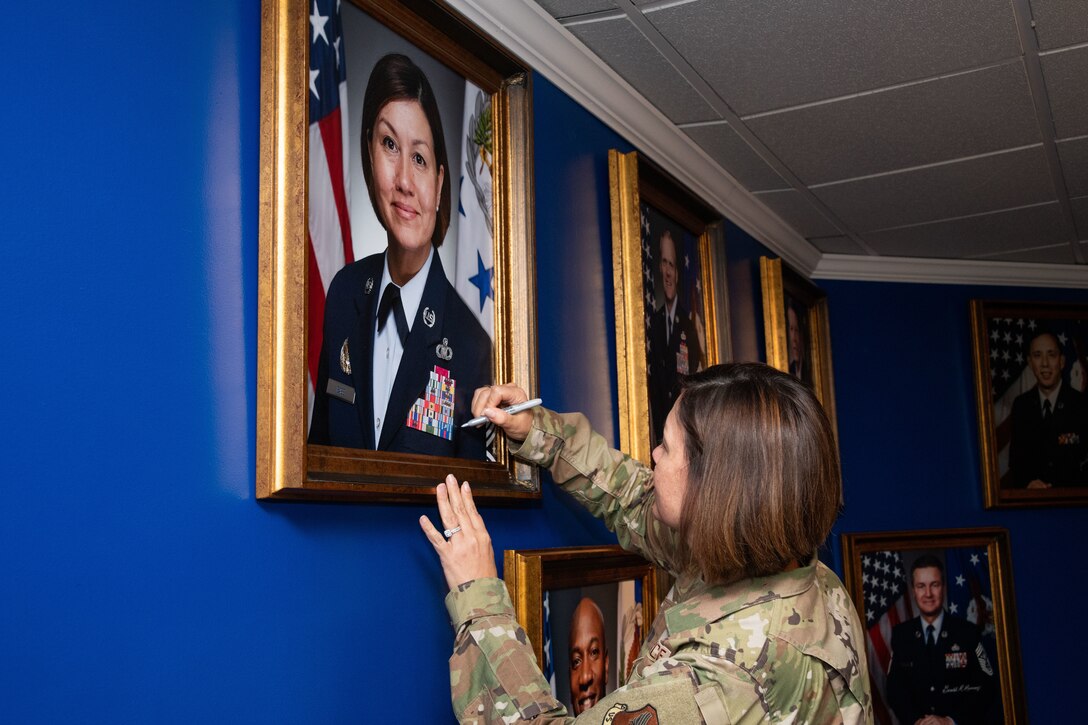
908	435
141	580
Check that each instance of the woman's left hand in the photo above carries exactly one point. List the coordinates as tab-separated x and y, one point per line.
467	553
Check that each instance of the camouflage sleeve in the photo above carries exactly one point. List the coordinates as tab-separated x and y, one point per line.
611	485
795	689
494	677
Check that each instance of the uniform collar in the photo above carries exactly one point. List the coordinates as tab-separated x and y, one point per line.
707	603
412	291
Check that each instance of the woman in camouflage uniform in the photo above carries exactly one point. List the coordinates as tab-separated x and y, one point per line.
745	488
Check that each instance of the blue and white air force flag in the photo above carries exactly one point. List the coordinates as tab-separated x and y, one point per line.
475	265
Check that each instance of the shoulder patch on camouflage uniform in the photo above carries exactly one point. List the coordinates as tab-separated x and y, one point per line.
619	715
669	699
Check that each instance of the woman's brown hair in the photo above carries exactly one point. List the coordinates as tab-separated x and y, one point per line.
764	485
396	78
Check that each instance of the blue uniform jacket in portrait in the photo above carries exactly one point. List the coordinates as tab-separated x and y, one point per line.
351	306
953	679
1055	450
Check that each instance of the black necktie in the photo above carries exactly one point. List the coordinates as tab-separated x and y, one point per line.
391	302
929	636
1046	409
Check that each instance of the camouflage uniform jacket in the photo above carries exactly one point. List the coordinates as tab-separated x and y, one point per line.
787	648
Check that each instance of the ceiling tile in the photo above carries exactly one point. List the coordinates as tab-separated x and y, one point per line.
1056	254
1066	74
622	46
569	8
1080	216
763	55
1074	158
953	117
977	185
796	211
1007	231
1060	22
731	152
836	245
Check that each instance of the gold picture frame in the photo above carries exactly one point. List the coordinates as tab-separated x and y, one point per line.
567	574
1019	451
978	588
648	206
795	316
287	467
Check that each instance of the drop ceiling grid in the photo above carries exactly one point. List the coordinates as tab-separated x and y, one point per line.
1066	75
932	111
761	56
733	154
1060	22
1027	232
1080	215
792	206
982	184
626	50
1074	159
564	9
945	119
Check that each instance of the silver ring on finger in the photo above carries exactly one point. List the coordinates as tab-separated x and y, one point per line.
450	532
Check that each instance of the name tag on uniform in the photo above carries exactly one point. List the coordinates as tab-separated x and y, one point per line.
343	391
955	660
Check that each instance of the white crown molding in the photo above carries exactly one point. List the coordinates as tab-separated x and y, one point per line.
528	32
950	271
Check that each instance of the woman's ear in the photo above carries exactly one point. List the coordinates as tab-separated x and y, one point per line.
441	180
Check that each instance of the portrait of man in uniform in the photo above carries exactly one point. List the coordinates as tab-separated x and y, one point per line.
797	337
587	650
676	334
1049	445
941	673
1032	360
584	624
941	648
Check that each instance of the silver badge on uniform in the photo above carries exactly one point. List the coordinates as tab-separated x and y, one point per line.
369	285
345	358
444	351
340	390
428	317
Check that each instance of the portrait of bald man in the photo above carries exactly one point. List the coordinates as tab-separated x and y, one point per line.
1049	444
588	651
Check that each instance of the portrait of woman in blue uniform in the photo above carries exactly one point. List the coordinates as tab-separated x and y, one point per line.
401	352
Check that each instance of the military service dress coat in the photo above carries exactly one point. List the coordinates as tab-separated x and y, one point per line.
444	335
671	356
785	648
955	679
1054	450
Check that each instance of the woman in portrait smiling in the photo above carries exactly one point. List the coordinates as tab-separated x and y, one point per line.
401	353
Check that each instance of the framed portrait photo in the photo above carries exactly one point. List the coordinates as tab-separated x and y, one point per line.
668	269
396	275
940	620
586	611
795	324
1031	376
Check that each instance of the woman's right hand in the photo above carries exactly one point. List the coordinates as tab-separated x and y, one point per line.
490	401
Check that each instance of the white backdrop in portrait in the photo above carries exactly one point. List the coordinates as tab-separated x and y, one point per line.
366	41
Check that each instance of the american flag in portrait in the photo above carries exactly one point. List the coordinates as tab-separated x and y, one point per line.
887	603
328	226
